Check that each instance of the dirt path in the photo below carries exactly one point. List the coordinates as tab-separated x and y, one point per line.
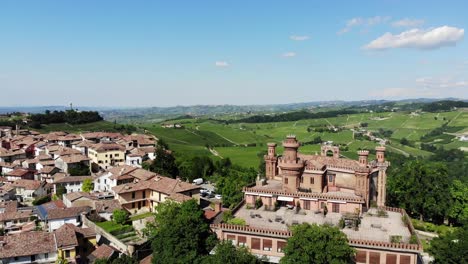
233	142
215	153
459	113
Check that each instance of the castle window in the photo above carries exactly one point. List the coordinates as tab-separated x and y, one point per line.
241	241
285	180
267	244
311	180
256	243
336	207
280	246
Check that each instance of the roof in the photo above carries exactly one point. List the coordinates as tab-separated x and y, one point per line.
27	184
19	172
61	213
66	236
72	179
160	184
77	195
146	260
15	215
318	161
107	206
27	243
48	169
104	147
43	209
74	158
103	252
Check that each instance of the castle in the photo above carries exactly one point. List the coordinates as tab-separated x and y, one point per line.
327	174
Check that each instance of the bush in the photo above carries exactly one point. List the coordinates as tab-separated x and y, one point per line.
382	213
395	239
237	221
258	203
120	216
41	200
227	216
413	239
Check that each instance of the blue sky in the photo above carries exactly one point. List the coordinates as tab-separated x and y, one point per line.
164	53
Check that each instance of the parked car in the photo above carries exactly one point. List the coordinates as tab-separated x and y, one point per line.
198	181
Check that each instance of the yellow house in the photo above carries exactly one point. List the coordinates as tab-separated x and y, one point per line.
107	154
73	241
144	196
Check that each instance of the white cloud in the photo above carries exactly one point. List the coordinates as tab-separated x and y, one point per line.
407	22
299	38
419	39
359	21
425	87
221	64
289	54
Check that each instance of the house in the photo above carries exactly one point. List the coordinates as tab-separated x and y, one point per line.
20	174
76	199
74	243
103	252
28	247
68	140
9	155
120	175
6	167
99	137
7	192
107	154
28	190
55	218
12	216
47	173
105	208
134	159
144	195
71	183
73	163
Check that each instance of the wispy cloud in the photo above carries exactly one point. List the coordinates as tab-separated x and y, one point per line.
425	87
407	22
289	54
299	38
359	21
222	64
418	39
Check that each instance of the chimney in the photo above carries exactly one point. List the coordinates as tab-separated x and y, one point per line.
218	207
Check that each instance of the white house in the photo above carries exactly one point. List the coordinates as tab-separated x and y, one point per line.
71	183
60	216
29	189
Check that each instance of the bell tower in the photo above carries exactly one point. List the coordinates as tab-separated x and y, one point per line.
271	168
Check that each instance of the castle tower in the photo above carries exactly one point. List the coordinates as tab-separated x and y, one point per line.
291	166
271	170
382	176
363	157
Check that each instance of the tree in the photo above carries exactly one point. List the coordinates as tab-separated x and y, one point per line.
120	216
422	188
88	185
458	211
101	261
60	191
317	244
180	233
451	248
61	260
124	259
164	163
227	253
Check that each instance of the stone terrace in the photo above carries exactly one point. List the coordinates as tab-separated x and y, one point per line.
371	228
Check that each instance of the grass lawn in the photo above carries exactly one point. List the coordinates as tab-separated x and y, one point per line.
140	216
112	227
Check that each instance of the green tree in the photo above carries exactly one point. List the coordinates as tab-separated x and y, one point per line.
61	260
317	244
227	253
451	248
88	185
164	163
180	233
458	211
124	259
60	191
422	188
101	261
120	216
